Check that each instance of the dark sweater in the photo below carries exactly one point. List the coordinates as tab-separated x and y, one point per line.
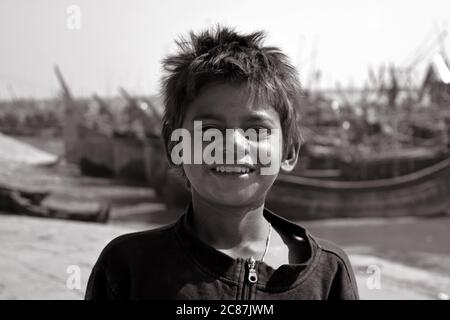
171	263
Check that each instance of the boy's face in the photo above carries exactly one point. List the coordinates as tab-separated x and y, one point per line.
226	106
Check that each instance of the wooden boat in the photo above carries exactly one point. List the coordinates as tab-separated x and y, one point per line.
128	158
118	156
30	203
332	163
156	166
169	186
425	192
95	152
71	120
392	163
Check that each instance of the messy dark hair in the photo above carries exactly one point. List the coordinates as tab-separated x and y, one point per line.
221	54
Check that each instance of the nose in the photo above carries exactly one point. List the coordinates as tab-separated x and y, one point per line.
236	144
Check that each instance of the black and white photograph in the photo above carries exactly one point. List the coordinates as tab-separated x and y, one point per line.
224	150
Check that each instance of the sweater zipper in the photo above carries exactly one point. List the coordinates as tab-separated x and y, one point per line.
252	277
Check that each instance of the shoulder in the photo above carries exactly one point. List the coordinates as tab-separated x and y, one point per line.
127	257
331	248
332	251
132	245
335	261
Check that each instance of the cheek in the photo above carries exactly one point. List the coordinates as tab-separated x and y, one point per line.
197	175
192	171
269	153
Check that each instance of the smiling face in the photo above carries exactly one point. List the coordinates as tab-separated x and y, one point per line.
224	106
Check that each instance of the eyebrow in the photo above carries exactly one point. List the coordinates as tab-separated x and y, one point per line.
209	116
258	117
254	117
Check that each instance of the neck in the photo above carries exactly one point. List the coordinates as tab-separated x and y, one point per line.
228	227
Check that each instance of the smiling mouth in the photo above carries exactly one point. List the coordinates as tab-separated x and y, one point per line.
234	169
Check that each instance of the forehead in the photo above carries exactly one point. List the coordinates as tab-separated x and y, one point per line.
230	102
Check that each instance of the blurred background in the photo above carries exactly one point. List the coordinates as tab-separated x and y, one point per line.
81	160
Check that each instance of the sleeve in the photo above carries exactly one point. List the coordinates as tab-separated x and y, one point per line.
110	276
344	285
99	287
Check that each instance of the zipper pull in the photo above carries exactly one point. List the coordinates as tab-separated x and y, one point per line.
252	276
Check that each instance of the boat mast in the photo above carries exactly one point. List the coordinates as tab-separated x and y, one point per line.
71	119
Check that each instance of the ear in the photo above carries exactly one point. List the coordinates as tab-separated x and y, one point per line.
291	158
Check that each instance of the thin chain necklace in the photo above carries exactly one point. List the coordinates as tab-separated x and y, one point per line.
267	242
252	274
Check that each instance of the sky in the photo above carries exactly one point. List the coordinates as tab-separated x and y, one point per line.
122	42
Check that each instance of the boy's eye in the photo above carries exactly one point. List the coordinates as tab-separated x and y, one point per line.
263	133
257	133
205	128
210	127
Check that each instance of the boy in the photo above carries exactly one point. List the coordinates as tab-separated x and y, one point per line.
227	245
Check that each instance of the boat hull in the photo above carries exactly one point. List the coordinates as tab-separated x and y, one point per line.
128	159
422	193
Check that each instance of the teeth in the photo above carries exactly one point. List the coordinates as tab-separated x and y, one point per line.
232	169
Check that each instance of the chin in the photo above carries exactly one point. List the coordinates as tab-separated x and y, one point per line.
237	200
229	189
250	195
